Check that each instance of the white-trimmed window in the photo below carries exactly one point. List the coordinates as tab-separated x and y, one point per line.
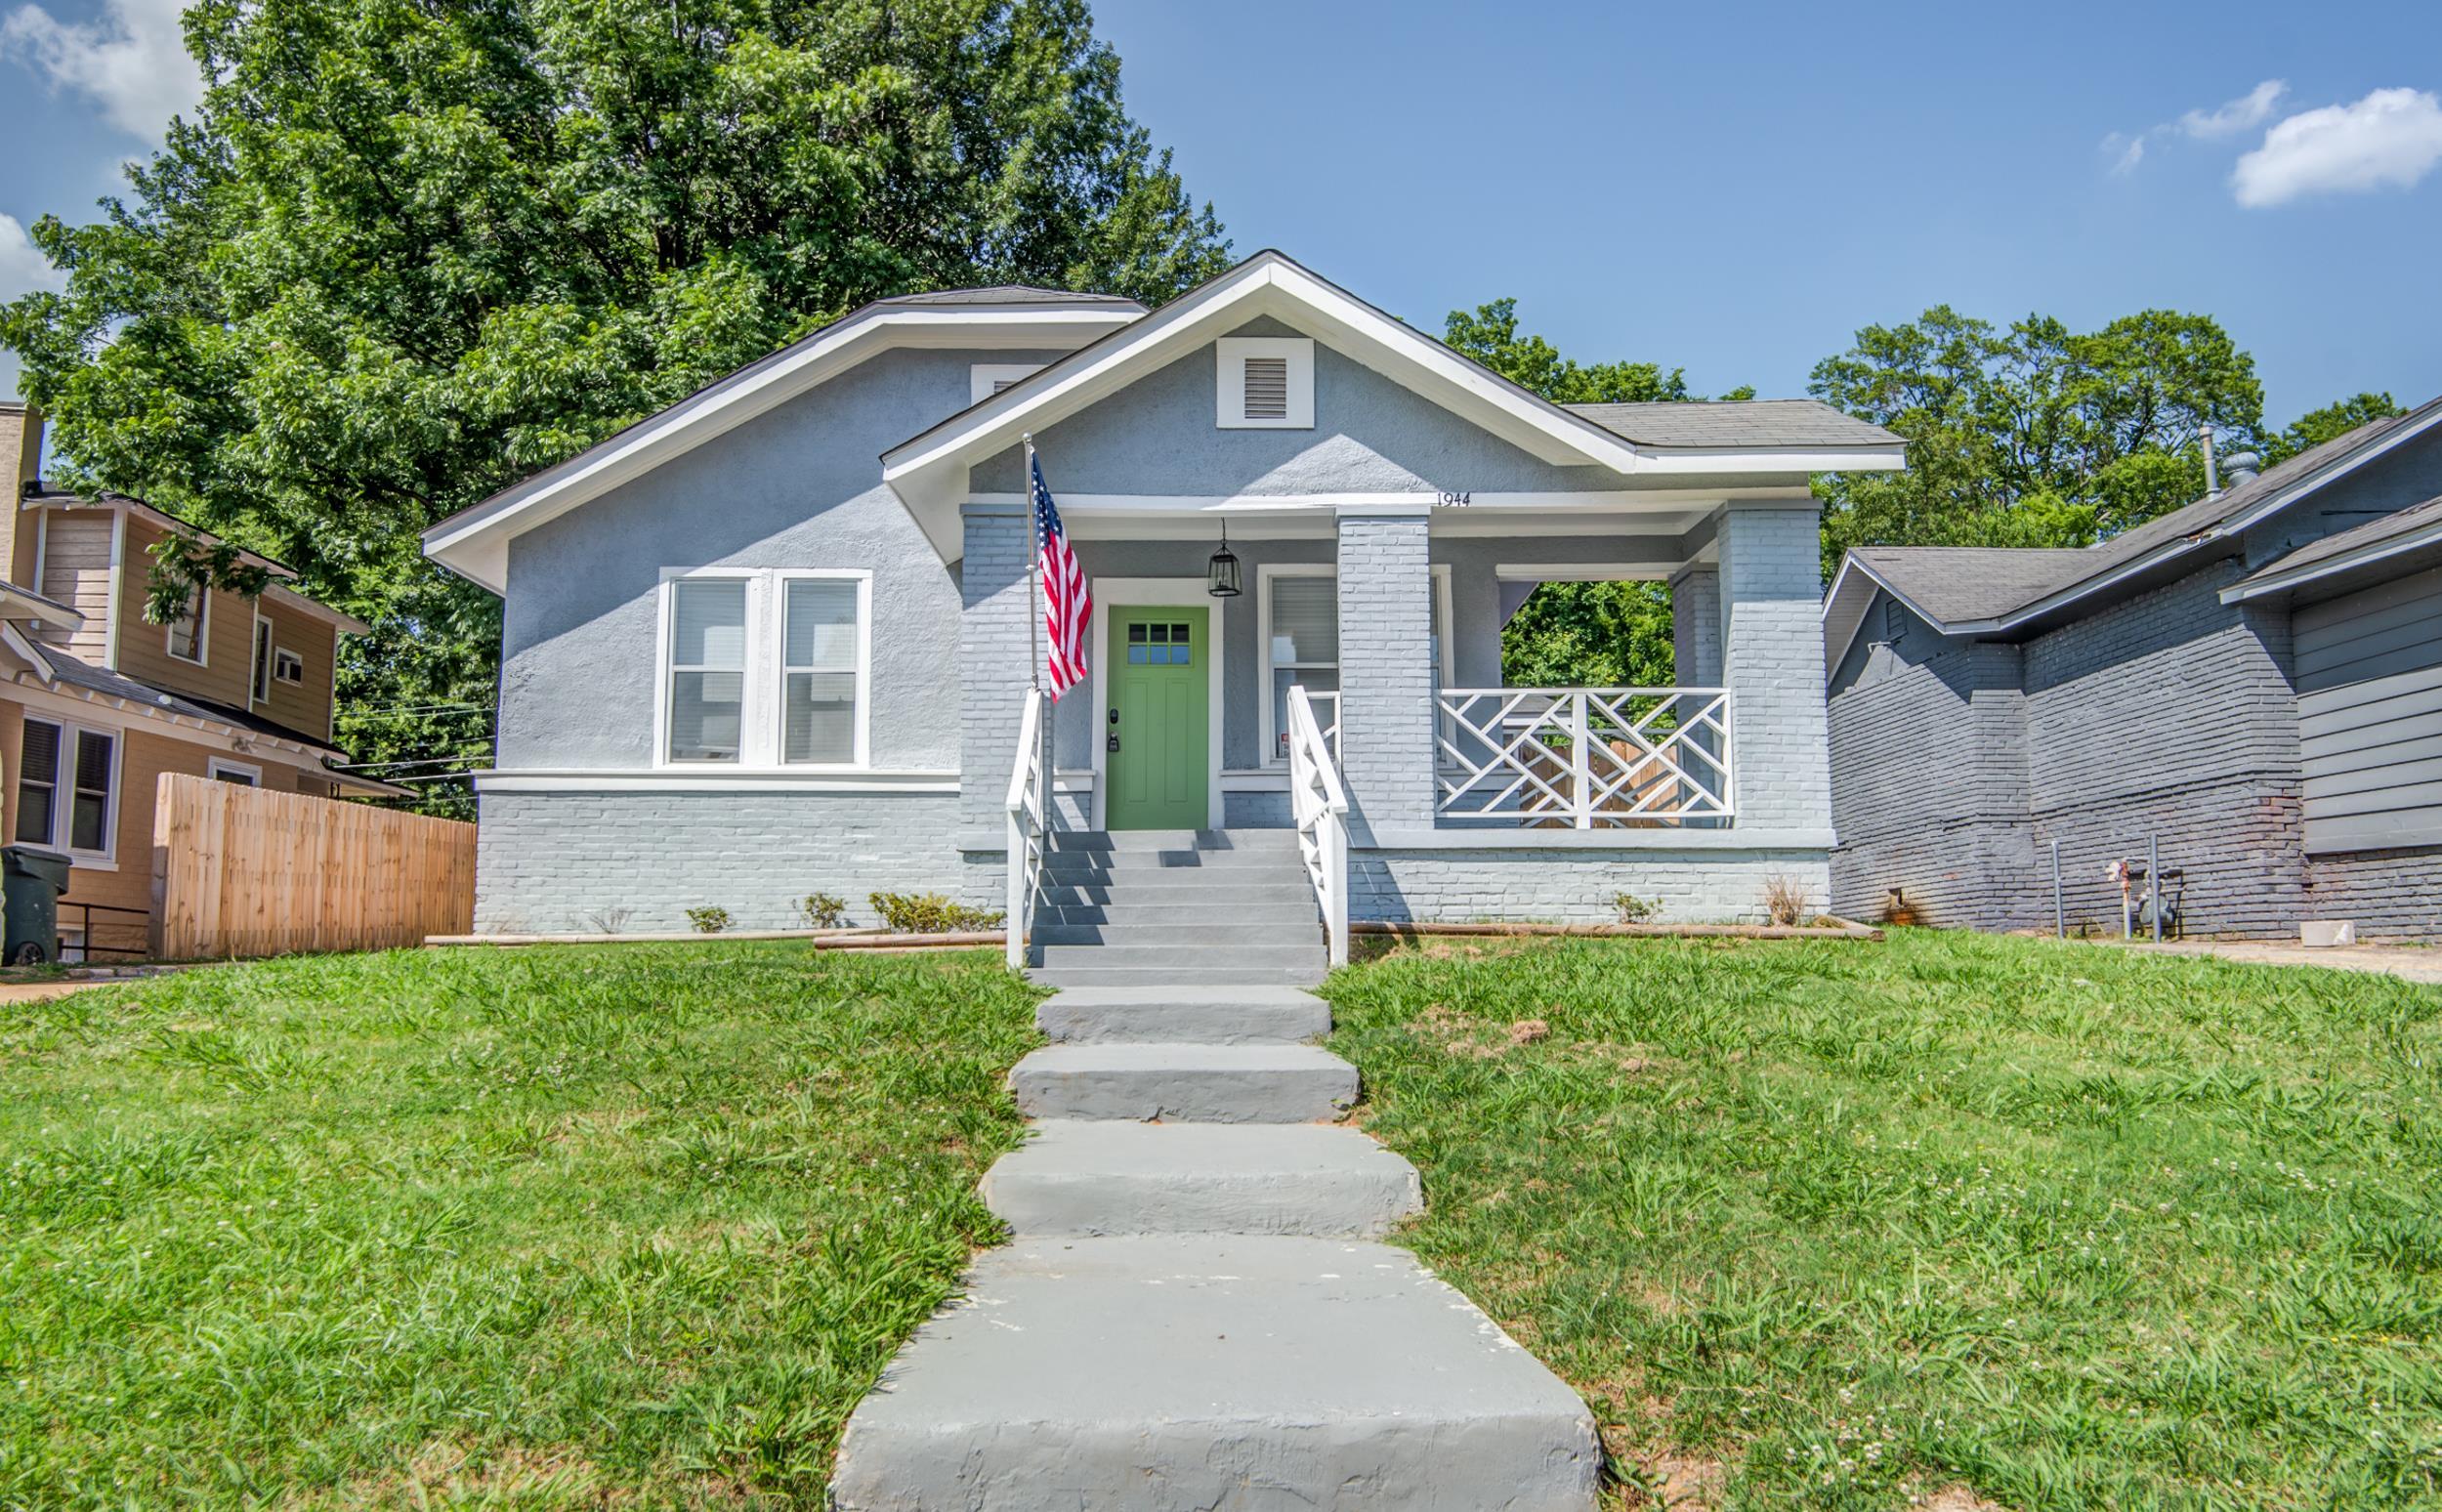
1265	383
1299	605
985	379
287	666
766	668
192	632
68	788
259	677
219	769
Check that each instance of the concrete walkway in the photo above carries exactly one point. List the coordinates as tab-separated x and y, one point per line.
2409	963
1196	1313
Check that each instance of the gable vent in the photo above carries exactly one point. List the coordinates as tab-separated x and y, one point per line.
1267	387
999	384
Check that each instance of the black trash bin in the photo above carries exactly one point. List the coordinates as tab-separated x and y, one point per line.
34	881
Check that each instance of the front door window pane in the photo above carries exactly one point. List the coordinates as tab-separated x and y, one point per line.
819	723
707	669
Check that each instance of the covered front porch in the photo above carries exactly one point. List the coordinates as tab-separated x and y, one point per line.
1354	689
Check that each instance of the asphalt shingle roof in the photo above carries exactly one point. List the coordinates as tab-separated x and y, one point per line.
1953	583
1992	582
101	679
1735	422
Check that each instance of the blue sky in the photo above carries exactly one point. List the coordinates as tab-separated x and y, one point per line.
1731	189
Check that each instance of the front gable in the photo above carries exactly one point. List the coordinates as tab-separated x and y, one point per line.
1168	433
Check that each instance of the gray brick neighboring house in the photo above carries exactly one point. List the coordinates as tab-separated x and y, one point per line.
776	638
2253	682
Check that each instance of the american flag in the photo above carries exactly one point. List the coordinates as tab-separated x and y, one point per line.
1068	605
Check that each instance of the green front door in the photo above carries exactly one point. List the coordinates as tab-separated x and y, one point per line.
1157	729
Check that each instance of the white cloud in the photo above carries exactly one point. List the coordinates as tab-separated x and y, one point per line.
2235	116
2229	117
2389	140
132	61
23	266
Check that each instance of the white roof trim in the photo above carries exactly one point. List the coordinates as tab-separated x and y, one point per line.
475	542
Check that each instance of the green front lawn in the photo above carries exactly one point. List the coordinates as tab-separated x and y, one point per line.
1833	1224
627	1225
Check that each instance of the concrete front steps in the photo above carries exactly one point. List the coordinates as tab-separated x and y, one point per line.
1135	909
1317	1180
1192	1083
1194	1317
1169	1373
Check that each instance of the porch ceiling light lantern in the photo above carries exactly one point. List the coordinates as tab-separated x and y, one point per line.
1221	573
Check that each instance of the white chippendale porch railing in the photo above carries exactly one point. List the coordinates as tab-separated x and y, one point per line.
1583	757
1030	814
1320	805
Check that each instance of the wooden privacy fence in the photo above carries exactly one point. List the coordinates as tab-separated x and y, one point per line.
243	871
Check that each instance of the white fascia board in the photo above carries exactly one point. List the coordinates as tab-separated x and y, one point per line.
2330	567
475	544
18	604
14	639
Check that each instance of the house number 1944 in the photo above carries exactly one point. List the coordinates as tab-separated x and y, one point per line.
1456	500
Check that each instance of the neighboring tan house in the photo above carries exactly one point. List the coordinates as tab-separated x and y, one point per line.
2253	683
99	701
776	639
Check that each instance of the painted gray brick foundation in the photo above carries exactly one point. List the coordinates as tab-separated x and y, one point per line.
1574	886
562	862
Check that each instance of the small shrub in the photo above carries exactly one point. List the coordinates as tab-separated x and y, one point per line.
709	920
1784	900
822	910
1634	910
930	913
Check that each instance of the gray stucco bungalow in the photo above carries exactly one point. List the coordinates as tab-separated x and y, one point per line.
2252	684
775	640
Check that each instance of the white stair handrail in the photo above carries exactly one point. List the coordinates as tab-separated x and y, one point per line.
1028	814
1320	805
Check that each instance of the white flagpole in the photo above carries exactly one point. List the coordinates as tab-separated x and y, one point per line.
1034	560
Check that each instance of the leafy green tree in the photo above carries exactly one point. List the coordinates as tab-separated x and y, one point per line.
2032	434
408	253
1489	334
1578	634
2318	426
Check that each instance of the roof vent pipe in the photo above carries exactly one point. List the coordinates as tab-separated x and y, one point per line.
2213	485
2241	466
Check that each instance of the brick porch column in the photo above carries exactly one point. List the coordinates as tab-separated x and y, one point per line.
991	668
1386	668
1696	626
1771	585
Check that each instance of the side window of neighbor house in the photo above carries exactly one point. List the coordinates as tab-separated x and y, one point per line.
819	691
68	787
707	714
188	632
38	782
